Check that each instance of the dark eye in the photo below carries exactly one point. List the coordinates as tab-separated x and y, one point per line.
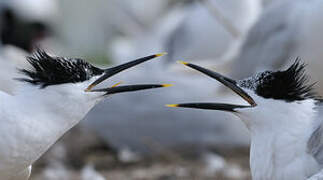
268	78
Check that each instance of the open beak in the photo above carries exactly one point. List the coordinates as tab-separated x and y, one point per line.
230	83
128	88
115	70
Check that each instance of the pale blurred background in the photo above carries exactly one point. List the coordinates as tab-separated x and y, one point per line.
133	136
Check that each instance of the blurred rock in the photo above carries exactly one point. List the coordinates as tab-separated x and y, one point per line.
125	155
214	164
234	171
89	173
55	171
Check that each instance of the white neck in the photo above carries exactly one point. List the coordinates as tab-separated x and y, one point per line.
279	135
36	118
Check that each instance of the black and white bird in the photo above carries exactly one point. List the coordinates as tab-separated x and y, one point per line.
283	118
56	93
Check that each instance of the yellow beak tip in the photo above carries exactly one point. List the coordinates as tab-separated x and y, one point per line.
117	84
171	105
182	62
88	89
167	85
161	54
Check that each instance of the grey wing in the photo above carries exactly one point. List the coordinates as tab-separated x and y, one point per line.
269	43
315	143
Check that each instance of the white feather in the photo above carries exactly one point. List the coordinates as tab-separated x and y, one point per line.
34	119
279	133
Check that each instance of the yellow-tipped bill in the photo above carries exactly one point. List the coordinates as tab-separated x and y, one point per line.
127	88
161	54
89	88
167	85
182	62
171	105
116	84
117	69
228	82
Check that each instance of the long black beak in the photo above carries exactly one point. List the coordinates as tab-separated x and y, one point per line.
115	70
230	83
128	88
210	106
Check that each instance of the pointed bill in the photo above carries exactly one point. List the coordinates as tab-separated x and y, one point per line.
115	70
129	88
230	83
209	106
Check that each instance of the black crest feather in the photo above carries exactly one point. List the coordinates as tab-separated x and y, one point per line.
48	70
290	85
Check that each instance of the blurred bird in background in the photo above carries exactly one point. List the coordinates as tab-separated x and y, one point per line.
22	28
25	23
286	29
206	20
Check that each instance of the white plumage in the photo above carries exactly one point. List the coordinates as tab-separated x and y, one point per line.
34	119
55	93
284	119
279	135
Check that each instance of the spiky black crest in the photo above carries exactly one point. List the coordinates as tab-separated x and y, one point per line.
290	85
48	70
